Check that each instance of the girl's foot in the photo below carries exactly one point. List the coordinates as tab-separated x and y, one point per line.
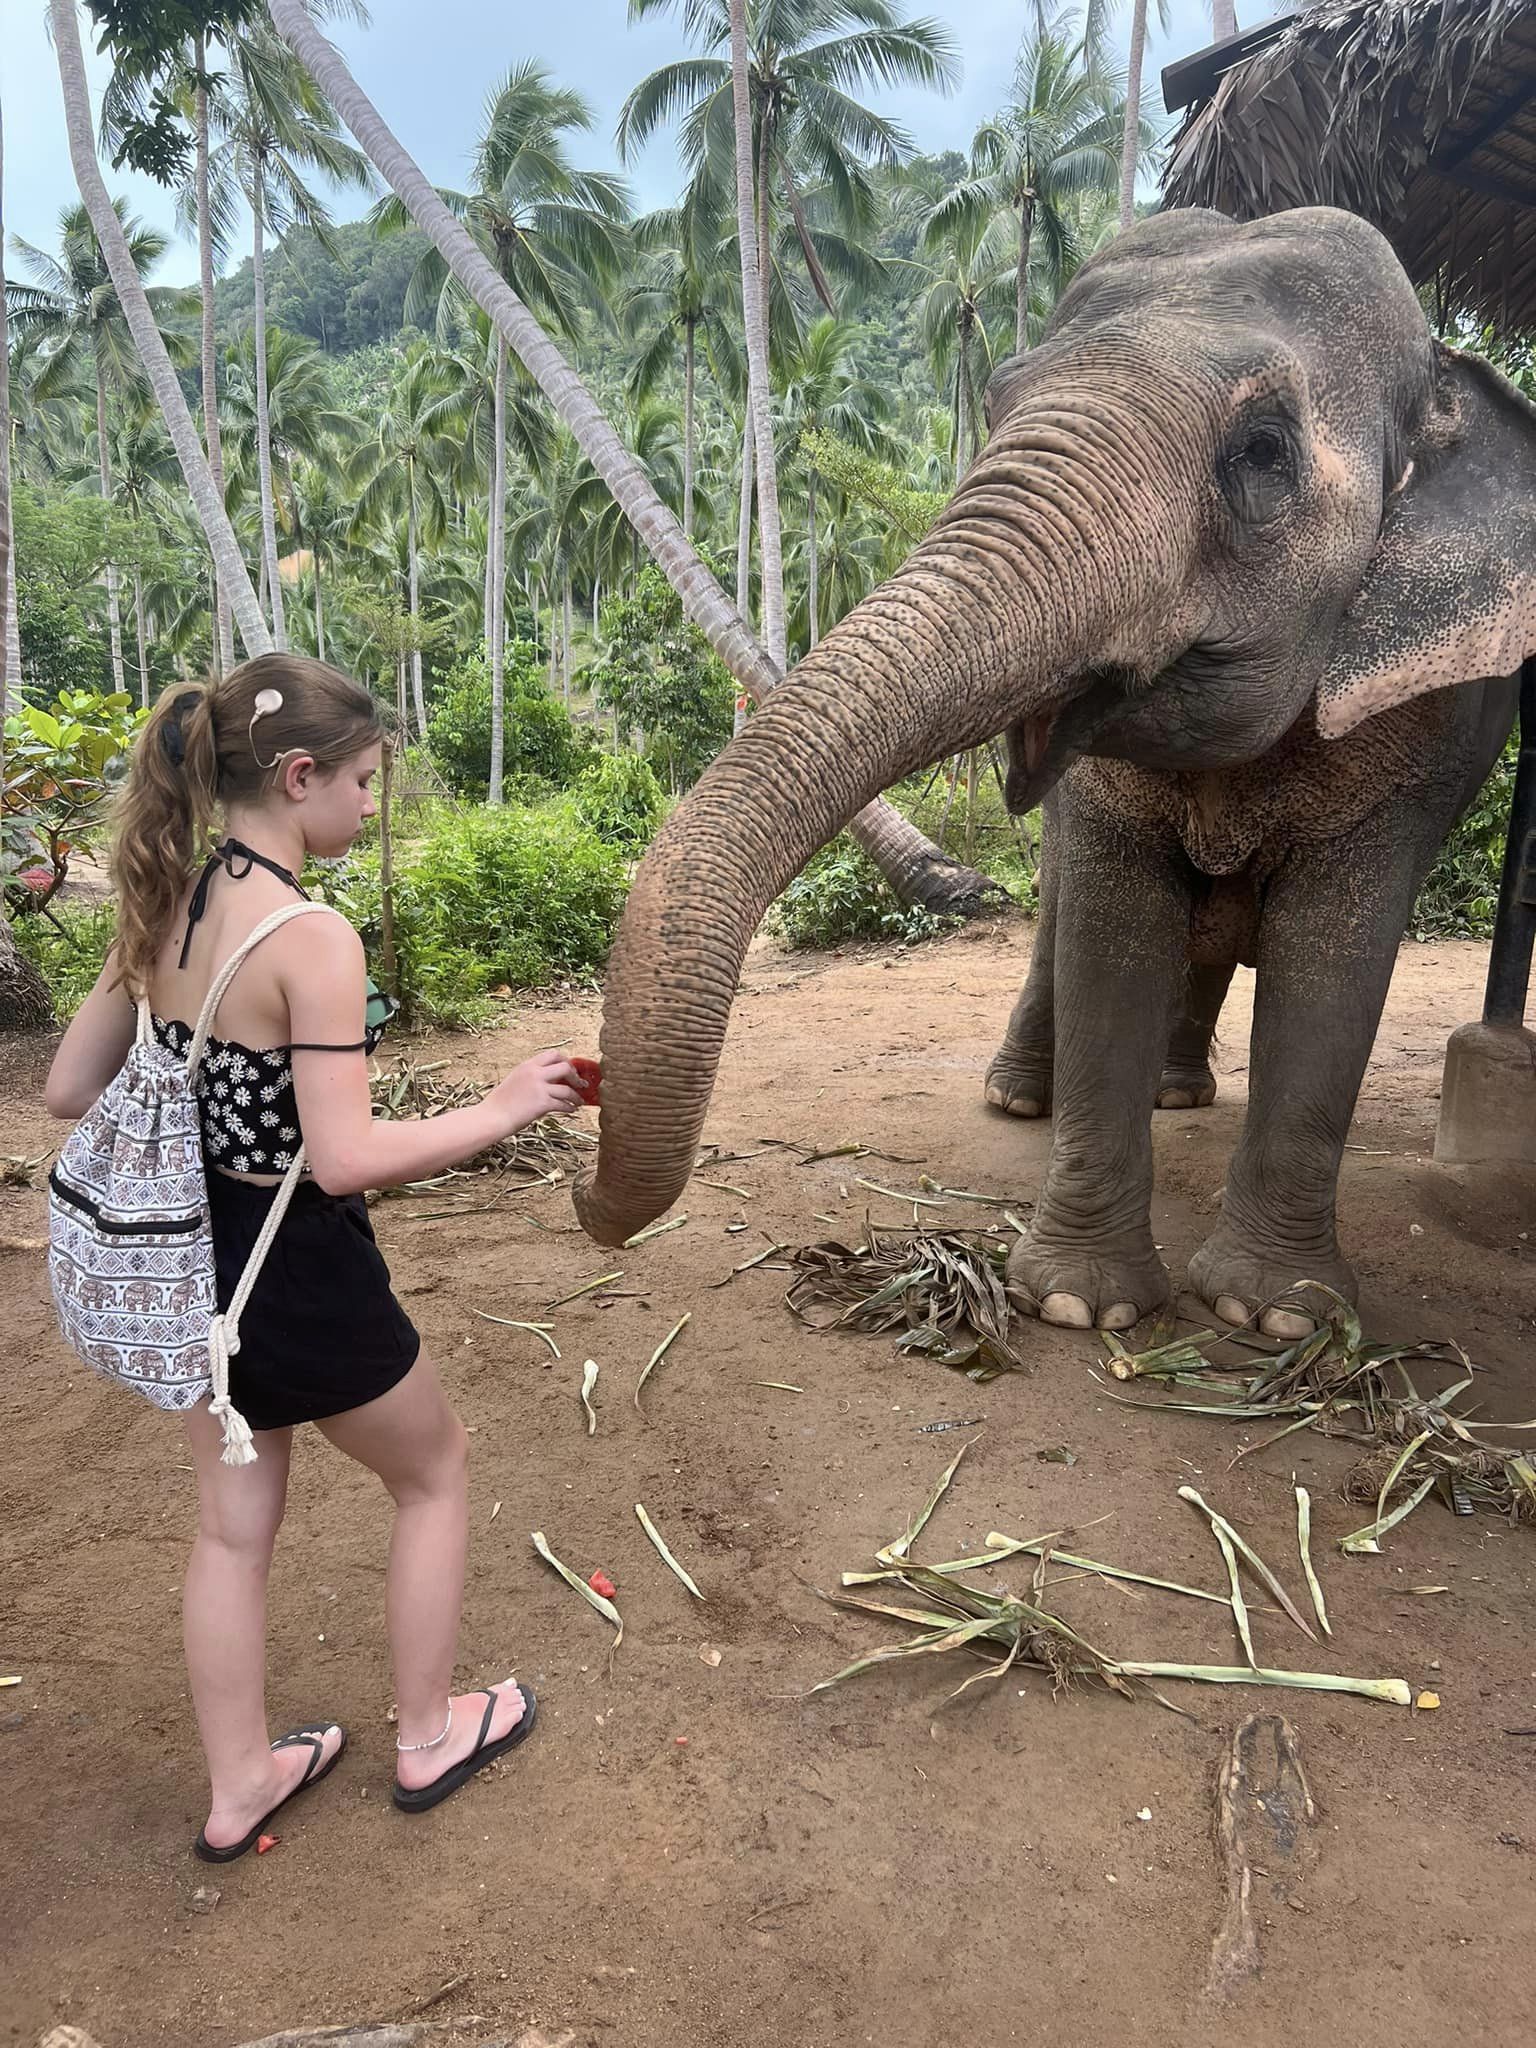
483	1726
296	1760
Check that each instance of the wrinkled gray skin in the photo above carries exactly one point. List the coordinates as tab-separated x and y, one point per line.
1233	571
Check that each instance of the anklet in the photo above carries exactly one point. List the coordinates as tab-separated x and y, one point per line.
447	1730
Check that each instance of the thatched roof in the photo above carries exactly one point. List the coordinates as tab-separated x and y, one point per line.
1418	114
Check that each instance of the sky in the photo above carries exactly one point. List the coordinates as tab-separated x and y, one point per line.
428	65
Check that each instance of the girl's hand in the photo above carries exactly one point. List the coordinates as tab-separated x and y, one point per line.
546	1085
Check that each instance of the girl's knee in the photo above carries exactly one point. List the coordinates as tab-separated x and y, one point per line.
439	1466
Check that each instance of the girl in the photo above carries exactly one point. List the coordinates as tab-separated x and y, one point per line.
285	750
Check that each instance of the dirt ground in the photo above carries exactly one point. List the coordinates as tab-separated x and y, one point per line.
701	1853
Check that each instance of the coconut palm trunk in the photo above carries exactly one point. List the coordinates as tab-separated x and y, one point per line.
1021	282
812	560
1130	147
264	410
225	637
104	471
10	621
314	563
108	229
498	569
688	428
25	1004
565	646
1223	20
141	635
915	869
754	306
413	585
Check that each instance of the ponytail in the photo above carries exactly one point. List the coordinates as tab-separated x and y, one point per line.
164	818
195	753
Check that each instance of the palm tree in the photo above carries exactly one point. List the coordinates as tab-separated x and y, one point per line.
276	127
555	234
827	393
554	528
1058	139
320	516
679	299
399	472
913	867
73	308
968	270
780	101
754	251
143	468
138	314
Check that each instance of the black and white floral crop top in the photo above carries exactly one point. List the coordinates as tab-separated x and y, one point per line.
248	1109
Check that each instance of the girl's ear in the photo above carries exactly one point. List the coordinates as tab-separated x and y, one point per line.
298	775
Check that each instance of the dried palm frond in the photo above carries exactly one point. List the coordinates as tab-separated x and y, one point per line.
549	1150
1332	1381
945	1290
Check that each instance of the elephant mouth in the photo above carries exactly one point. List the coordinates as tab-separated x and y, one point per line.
1041	747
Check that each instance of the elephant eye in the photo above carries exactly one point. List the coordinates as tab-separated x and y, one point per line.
1264	449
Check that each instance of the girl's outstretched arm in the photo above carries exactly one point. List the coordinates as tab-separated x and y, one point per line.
322	975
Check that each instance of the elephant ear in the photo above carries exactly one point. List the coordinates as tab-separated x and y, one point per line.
1450	594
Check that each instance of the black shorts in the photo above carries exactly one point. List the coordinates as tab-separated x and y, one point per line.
321	1332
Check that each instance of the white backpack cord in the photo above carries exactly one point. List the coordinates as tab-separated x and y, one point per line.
224	1330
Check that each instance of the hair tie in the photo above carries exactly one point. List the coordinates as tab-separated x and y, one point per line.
172	738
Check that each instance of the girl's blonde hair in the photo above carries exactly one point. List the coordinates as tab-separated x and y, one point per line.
199	752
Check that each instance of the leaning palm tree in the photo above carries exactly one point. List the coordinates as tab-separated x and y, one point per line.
399	472
72	307
914	868
555	234
138	315
277	128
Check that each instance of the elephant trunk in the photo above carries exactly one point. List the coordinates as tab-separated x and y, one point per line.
1043	568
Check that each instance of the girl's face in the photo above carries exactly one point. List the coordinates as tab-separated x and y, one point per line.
335	807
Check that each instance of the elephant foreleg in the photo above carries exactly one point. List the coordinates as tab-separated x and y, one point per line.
1019	1078
1188	1082
1121	941
1332	922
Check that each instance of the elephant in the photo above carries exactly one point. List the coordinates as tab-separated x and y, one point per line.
1244	572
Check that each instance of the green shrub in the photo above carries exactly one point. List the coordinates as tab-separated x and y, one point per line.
620	798
543	749
1461	890
68	946
521	897
839	895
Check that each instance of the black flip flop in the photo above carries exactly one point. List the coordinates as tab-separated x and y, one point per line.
315	1738
482	1754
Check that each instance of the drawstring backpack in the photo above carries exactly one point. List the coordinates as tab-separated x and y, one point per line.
130	1248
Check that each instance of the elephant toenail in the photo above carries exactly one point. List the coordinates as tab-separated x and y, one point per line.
1070	1311
1231	1310
1286	1323
1119	1317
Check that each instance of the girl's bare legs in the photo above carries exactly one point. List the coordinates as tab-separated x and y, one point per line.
224	1623
414	1441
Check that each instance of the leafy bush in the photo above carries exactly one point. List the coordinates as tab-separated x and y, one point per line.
68	946
839	895
61	766
660	677
1461	891
519	897
620	798
543	749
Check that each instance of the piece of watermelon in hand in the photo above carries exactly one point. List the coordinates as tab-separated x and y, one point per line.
589	1079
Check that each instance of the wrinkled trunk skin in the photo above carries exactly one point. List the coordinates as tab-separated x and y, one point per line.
994	618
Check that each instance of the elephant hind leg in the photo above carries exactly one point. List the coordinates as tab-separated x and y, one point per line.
1187	1081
